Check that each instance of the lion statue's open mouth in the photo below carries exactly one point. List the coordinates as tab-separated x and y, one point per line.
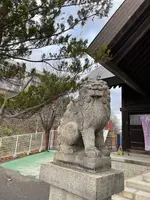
86	117
96	89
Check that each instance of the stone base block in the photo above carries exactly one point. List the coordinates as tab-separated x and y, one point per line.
81	160
75	184
59	194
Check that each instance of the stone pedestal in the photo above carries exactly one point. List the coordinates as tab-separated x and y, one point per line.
68	183
81	161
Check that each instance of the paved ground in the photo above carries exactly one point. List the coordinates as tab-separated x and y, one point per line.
29	165
14	186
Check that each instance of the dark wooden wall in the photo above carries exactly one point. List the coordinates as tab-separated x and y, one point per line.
132	103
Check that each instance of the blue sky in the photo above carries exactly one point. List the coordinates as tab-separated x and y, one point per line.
91	29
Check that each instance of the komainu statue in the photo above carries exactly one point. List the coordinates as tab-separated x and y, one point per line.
81	127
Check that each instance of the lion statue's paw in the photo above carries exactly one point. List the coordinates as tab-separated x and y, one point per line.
92	152
66	149
105	152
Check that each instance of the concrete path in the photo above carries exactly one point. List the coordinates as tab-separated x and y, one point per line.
29	165
14	186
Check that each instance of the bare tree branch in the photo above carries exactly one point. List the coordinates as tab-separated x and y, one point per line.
35	61
53	66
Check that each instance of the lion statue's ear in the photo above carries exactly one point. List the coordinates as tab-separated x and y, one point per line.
84	96
81	102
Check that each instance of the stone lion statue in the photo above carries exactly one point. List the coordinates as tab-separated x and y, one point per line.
81	127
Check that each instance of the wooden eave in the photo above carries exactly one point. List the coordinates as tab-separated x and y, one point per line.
127	35
113	82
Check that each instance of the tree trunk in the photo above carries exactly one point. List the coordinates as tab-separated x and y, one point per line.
47	141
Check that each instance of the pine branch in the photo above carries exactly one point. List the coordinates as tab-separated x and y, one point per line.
34	108
55	34
3	107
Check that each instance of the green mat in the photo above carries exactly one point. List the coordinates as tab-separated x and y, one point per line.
29	165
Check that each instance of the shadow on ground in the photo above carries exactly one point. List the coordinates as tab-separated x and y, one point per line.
14	186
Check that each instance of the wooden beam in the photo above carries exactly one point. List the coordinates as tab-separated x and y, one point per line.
131	42
125	131
125	122
133	23
127	9
112	67
140	109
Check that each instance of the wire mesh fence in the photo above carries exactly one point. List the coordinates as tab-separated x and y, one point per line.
12	146
17	144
